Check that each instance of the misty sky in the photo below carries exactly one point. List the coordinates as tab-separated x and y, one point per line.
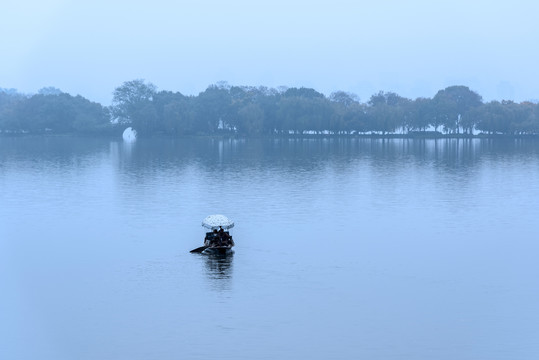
410	47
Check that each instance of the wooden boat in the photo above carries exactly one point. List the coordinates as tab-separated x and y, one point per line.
218	240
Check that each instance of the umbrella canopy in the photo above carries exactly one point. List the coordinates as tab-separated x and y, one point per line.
216	221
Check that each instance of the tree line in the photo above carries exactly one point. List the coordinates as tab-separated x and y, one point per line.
246	110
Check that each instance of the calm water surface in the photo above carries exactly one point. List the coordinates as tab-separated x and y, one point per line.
346	249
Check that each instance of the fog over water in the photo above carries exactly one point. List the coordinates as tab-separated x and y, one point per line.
413	48
345	248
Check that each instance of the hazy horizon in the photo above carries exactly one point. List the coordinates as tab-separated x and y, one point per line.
413	49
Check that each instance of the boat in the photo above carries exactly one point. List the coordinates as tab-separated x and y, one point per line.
218	239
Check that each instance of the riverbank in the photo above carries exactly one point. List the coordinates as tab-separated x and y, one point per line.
416	135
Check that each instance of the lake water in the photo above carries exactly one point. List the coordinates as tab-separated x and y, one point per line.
345	249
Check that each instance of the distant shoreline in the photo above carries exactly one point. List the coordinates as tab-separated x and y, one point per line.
415	136
236	111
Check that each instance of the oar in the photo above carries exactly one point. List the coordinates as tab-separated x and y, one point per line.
199	249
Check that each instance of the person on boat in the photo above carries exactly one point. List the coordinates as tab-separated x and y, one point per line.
221	237
215	237
224	238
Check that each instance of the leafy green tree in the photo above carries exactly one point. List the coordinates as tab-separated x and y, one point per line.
355	118
131	98
268	104
302	113
173	113
508	117
250	119
303	93
9	100
386	112
61	113
90	117
452	105
176	113
50	90
345	113
179	117
212	108
490	117
422	114
346	99
526	119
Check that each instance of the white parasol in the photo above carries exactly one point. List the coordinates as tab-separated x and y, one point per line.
216	221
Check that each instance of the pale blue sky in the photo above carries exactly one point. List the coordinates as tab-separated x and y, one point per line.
411	47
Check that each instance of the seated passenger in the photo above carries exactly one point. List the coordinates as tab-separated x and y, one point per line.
222	236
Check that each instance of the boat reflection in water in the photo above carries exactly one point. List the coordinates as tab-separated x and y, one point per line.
219	269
